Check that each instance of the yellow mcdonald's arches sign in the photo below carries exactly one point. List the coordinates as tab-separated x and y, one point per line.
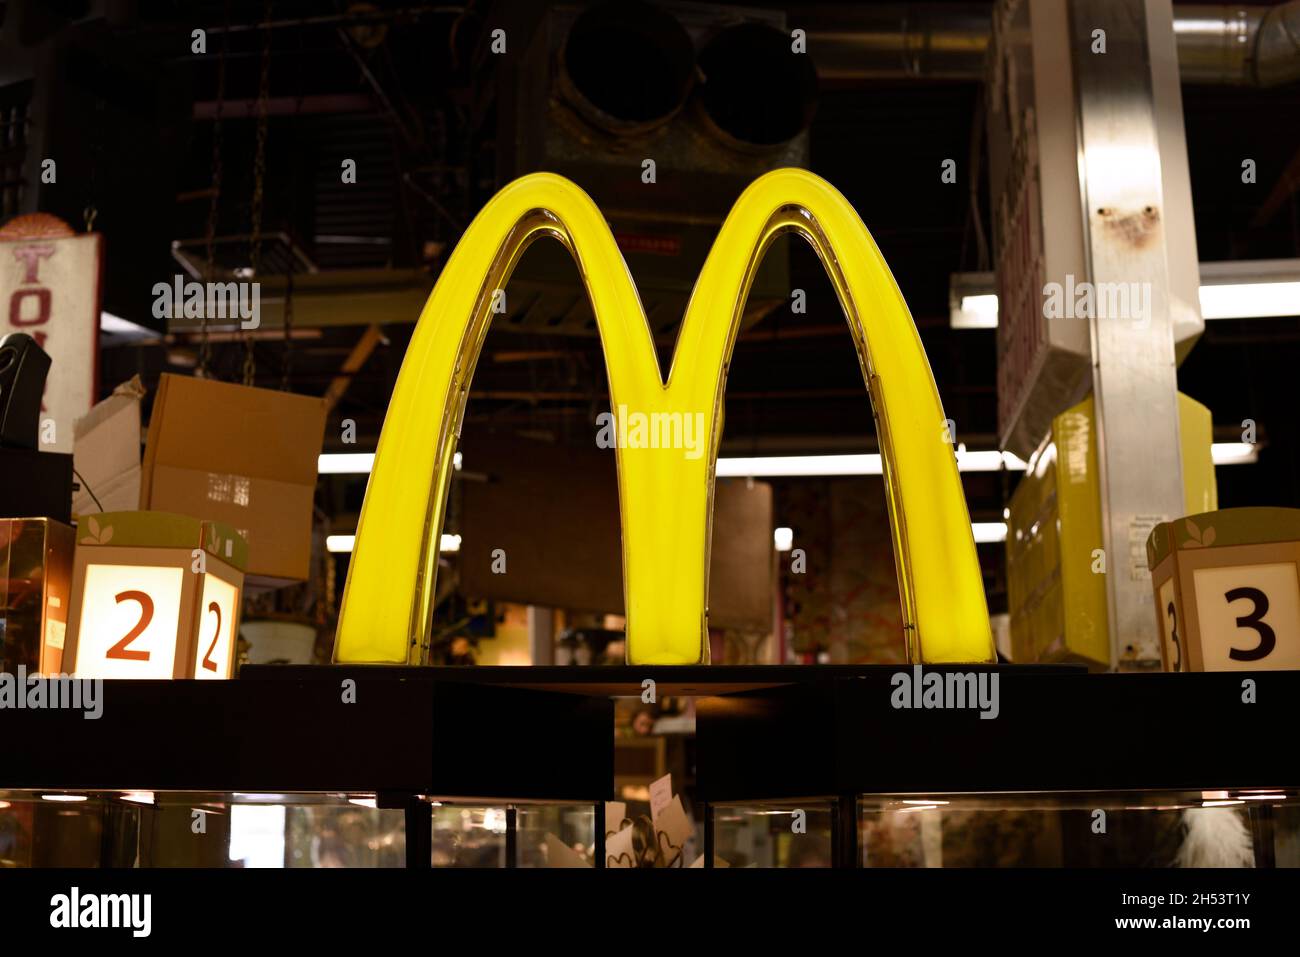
665	496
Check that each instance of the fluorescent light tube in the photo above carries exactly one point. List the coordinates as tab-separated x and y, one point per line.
342	544
356	463
777	466
1259	300
1237	289
1234	453
345	463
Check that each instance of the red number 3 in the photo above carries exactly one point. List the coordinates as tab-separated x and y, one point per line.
120	650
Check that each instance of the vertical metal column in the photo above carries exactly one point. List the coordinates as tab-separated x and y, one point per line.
541	635
706	810
512	837
419	830
1263	835
1126	226
845	852
598	837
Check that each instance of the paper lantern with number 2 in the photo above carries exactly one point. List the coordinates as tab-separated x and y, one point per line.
155	595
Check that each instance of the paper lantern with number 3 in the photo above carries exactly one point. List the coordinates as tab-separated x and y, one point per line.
155	595
1227	590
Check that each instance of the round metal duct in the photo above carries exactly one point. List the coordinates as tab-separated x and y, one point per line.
756	92
626	67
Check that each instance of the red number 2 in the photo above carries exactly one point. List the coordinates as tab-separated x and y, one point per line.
120	650
208	663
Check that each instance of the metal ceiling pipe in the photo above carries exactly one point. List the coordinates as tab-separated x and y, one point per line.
1214	43
1277	46
1219	44
898	41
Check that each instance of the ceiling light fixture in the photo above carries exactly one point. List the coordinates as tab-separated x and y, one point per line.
1243	289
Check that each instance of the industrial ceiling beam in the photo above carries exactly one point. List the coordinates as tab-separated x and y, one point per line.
1220	44
1286	184
1129	216
352	365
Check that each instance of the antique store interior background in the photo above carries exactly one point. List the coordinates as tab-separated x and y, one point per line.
436	123
157	149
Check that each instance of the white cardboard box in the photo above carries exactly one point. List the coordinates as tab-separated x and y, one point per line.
106	453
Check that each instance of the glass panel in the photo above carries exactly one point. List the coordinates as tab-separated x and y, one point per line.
172	829
545	830
344	836
468	836
169	829
773	834
1082	829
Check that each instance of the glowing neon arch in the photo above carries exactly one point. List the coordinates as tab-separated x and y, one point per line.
665	498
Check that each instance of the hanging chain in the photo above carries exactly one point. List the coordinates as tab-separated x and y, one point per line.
210	235
259	182
90	211
288	326
286	371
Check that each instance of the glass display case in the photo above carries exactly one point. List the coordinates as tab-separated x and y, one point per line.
278	830
468	836
1139	829
518	835
156	829
35	581
281	770
1211	828
794	767
787	834
1062	769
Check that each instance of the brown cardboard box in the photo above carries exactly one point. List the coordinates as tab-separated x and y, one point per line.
567	554
239	455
